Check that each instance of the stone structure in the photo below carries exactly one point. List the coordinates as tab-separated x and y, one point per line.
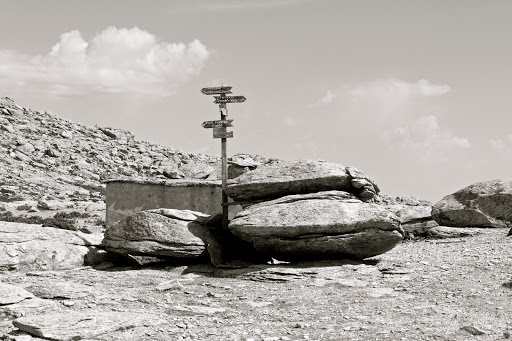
125	197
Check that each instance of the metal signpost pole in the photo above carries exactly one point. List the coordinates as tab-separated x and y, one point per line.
220	132
225	208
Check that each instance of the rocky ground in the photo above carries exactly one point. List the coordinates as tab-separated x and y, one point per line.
448	289
51	173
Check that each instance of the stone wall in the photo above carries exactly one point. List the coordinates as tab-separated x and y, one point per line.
125	197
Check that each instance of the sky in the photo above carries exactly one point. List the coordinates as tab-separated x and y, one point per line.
416	94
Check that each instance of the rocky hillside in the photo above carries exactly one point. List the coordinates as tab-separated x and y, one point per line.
44	157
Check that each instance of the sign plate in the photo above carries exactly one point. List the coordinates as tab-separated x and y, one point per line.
217	90
217	124
221	133
229	99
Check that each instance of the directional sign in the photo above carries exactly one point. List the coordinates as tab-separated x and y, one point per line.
229	99
217	90
221	133
217	124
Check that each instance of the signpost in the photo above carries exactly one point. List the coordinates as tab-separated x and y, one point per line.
217	124
229	99
220	132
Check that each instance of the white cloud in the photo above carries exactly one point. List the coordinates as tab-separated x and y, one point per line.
502	145
497	144
390	94
115	61
327	98
425	137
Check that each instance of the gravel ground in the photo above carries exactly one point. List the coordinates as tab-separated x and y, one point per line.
449	289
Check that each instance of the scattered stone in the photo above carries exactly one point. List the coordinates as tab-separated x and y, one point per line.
197	310
473	330
483	204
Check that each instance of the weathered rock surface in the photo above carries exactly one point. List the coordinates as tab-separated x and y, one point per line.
28	247
332	224
416	221
10	294
299	177
159	232
483	204
443	232
82	325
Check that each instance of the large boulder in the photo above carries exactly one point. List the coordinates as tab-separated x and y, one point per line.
299	177
483	204
30	247
159	232
324	225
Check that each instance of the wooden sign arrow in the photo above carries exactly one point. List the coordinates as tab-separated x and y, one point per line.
217	90
229	99
217	124
221	133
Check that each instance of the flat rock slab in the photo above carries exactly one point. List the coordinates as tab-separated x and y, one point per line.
10	294
299	177
81	325
32	306
28	247
322	226
161	232
483	204
60	290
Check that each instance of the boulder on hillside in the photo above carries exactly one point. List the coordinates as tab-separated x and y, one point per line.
324	225
483	204
159	232
30	247
299	177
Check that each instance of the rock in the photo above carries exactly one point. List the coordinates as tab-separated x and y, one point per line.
10	294
416	221
450	232
76	325
173	174
27	247
473	330
299	177
483	204
52	152
66	134
325	225
160	232
59	290
196	170
32	306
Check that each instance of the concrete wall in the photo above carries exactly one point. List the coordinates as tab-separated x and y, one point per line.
125	197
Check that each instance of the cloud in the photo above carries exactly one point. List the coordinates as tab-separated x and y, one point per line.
425	137
327	98
114	61
388	95
502	145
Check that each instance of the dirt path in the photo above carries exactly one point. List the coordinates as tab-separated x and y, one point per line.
421	290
